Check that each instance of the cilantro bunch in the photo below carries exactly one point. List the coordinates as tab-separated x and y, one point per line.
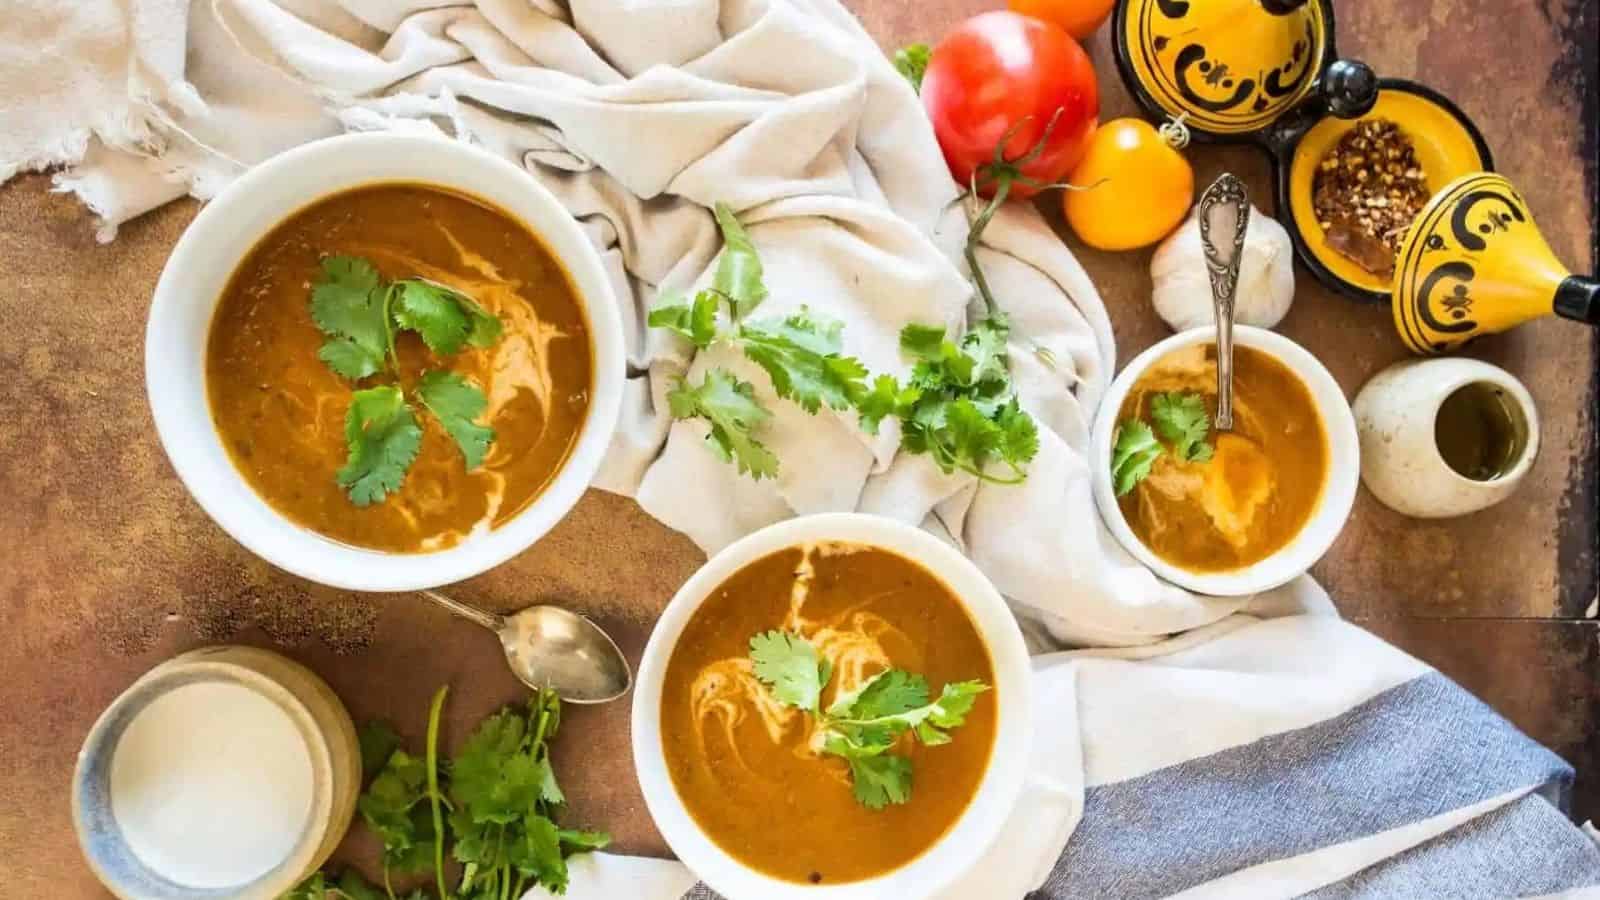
862	726
957	407
494	805
359	312
1180	418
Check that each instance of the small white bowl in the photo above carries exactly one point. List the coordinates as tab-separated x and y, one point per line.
1338	492
320	720
979	825
198	271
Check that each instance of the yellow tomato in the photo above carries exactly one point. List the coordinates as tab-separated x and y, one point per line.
1079	17
1139	187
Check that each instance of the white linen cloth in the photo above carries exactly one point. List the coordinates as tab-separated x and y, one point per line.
639	115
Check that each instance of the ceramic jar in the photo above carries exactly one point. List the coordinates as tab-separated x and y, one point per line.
1398	418
317	716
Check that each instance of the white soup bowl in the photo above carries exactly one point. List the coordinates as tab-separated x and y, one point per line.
961	847
227	229
1338	489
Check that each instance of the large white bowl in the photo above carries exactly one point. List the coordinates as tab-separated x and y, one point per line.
977	828
212	247
1338	492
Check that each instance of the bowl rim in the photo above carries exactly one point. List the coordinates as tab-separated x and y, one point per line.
1326	521
101	744
961	847
430	161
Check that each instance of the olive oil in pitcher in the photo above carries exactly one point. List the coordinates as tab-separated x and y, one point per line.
1481	432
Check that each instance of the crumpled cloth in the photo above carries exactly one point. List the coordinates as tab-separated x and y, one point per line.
640	115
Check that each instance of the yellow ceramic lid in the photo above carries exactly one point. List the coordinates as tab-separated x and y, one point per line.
1229	67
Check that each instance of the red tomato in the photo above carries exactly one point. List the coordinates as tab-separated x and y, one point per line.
1001	72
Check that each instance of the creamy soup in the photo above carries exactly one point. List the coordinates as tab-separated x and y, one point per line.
1263	481
281	411
749	769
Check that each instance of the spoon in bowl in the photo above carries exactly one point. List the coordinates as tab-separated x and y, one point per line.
1224	214
552	648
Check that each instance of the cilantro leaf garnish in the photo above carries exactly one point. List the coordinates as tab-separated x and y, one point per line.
495	807
863	725
730	407
878	781
383	438
695	320
445	318
739	276
958	405
911	61
1181	419
800	354
350	304
1134	451
457	403
791	667
360	312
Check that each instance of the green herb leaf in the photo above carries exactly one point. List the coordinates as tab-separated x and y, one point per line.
879	781
584	840
791	667
695	320
886	398
800	353
457	403
382	436
1182	420
349	304
912	62
730	407
1134	450
739	273
393	808
887	693
378	742
536	853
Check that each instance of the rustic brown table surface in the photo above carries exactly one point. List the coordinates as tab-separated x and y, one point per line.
107	567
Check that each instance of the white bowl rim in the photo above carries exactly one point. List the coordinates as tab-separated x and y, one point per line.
368	159
980	824
1338	492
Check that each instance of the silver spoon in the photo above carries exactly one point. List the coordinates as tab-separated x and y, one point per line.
550	647
1224	215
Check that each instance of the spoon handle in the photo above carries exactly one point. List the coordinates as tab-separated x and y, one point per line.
486	619
1224	215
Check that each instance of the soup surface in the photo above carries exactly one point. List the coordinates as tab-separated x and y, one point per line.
1263	481
281	411
746	767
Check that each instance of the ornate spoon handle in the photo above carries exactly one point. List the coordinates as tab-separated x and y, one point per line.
1224	215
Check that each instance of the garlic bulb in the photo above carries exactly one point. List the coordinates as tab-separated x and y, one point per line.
1182	293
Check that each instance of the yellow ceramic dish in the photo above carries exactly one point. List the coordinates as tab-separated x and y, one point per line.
1448	146
1229	67
1474	263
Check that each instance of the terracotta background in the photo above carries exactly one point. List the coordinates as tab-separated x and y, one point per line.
107	567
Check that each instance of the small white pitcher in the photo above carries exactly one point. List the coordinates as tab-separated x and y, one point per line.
1401	464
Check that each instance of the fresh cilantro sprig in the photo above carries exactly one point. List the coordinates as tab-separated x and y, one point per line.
862	726
496	805
359	313
958	406
1180	419
911	61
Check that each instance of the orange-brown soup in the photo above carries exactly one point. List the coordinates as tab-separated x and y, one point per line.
746	769
281	412
1263	483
